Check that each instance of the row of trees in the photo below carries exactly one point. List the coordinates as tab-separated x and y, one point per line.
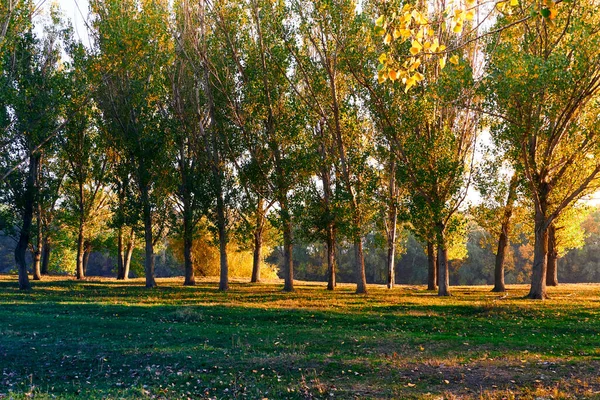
324	119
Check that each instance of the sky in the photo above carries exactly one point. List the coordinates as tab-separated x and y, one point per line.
76	11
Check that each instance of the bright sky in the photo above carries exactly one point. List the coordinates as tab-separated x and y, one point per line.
76	11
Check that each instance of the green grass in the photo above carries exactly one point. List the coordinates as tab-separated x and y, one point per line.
109	339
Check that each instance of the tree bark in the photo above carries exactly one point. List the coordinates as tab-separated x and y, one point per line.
79	269
37	254
392	228
288	247
23	243
359	259
148	238
188	241
540	250
46	256
223	239
442	257
128	254
552	273
503	240
258	233
432	267
120	255
331	281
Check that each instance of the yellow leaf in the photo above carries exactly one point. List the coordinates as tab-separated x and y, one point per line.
442	47
469	15
410	82
415	65
457	27
553	13
393	74
379	21
397	33
382	58
388	39
454	59
381	76
442	62
514	3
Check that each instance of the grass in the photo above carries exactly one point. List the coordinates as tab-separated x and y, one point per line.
109	339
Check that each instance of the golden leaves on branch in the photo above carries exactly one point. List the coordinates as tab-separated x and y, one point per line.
425	31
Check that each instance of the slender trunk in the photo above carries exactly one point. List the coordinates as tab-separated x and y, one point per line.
128	254
37	254
188	241
288	267
392	228
392	248
258	232
540	250
331	283
80	271
148	238
86	257
503	240
120	255
23	243
46	256
359	259
432	267
552	274
221	222
442	257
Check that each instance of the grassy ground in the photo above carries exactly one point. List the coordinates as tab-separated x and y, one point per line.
109	339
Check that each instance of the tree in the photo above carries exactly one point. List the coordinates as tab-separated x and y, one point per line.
134	50
32	110
545	111
261	106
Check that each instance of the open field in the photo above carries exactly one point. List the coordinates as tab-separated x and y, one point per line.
109	339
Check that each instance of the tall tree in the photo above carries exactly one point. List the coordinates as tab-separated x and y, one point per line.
134	49
34	82
544	103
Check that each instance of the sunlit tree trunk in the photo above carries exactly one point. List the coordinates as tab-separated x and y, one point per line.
552	273
87	251
258	234
540	248
392	228
442	258
37	253
288	247
503	240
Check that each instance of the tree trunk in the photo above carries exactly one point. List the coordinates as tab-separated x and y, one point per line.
552	273
188	241
359	266
432	267
499	285
288	247
120	255
221	222
46	256
540	250
23	243
148	238
503	240
392	249
442	257
331	283
258	232
37	254
392	228
128	254
79	269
